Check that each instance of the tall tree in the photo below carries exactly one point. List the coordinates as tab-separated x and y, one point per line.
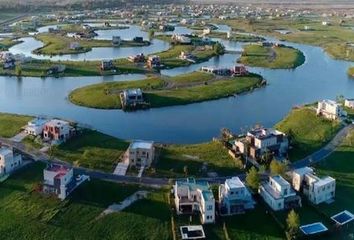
293	224
252	178
277	168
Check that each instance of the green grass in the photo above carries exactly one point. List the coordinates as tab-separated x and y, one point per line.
92	149
193	89
331	38
276	57
339	165
173	158
11	124
6	43
236	37
57	44
75	218
307	131
351	72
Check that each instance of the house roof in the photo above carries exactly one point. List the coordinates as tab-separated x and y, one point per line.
195	185
280	180
5	151
234	182
57	123
303	171
141	144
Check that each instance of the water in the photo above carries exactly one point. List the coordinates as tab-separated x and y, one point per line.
319	78
29	44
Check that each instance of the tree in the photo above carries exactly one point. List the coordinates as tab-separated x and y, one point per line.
293	224
151	34
267	157
277	168
253	179
185	170
18	70
219	48
226	135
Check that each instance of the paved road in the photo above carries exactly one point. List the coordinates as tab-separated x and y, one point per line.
324	152
36	155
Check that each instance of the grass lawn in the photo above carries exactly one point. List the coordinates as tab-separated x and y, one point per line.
307	131
236	37
255	224
92	149
351	71
332	38
173	158
11	124
6	43
57	44
276	57
188	88
75	218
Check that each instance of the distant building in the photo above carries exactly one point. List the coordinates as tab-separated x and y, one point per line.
176	38
278	194
316	189
349	103
239	70
193	196
56	69
138	39
57	131
132	99
58	180
154	61
330	110
187	56
35	127
116	40
8	161
107	65
141	153
262	140
234	197
137	58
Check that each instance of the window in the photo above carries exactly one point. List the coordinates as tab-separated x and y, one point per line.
210	207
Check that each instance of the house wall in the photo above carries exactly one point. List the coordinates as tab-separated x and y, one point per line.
9	162
318	194
275	204
139	156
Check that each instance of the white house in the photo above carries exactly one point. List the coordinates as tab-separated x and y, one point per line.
330	109
141	153
58	180
181	39
191	196
234	197
57	131
349	103
35	127
278	194
8	161
74	45
316	189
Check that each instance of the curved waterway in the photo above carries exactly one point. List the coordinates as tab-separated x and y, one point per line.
318	78
29	44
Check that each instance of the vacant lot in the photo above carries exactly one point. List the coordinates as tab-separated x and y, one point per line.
11	124
307	131
76	217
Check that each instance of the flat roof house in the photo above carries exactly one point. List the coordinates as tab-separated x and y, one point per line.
330	109
278	194
316	189
154	61
195	196
57	131
260	140
234	197
8	161
35	127
141	153
349	103
58	180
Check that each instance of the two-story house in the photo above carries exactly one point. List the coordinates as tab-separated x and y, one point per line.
141	153
234	197
316	189
278	194
260	140
330	109
58	180
57	131
8	161
194	196
35	127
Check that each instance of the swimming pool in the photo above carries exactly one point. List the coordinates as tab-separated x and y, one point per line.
313	228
